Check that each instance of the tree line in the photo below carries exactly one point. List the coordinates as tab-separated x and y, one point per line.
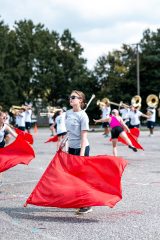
43	67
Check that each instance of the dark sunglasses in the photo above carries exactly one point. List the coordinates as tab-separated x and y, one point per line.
74	97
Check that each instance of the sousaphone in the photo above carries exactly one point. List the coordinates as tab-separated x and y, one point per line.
152	101
136	101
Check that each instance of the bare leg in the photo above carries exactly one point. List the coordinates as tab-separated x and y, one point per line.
128	141
59	142
114	145
151	131
107	130
125	137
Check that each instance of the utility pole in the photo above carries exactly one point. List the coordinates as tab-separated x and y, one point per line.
138	72
138	64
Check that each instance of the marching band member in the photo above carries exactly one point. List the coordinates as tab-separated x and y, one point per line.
60	126
21	119
51	123
77	124
134	116
117	129
28	117
106	109
151	112
124	111
4	129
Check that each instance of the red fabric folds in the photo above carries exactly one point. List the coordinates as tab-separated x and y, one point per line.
132	135
135	132
18	152
72	181
27	136
52	139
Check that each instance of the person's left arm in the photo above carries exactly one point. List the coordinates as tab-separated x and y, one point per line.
144	115
83	142
13	133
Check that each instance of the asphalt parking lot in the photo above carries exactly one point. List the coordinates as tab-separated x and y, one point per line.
135	217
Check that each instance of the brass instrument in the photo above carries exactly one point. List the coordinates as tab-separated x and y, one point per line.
136	101
16	109
152	101
106	101
51	111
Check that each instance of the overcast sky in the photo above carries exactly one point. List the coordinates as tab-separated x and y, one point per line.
98	25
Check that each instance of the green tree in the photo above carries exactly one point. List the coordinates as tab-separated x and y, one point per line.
150	62
8	89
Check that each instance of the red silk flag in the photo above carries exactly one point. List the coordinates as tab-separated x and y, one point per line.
52	139
132	135
135	132
27	136
73	181
18	152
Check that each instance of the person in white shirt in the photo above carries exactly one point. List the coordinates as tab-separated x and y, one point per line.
28	118
51	123
106	110
124	112
21	119
134	116
151	112
60	126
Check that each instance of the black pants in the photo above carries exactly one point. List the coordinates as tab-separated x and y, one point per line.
76	151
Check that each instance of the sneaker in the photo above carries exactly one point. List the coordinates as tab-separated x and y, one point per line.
84	210
133	148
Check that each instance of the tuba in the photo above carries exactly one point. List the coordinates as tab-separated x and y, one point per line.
152	101
136	101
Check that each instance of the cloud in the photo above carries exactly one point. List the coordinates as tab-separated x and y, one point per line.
99	25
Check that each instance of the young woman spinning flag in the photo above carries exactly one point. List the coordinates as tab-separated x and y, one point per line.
118	128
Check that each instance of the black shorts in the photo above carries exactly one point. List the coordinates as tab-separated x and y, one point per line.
76	151
21	128
62	134
105	124
2	144
150	124
28	125
116	131
134	126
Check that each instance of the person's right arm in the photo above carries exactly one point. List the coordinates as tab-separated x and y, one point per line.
101	120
